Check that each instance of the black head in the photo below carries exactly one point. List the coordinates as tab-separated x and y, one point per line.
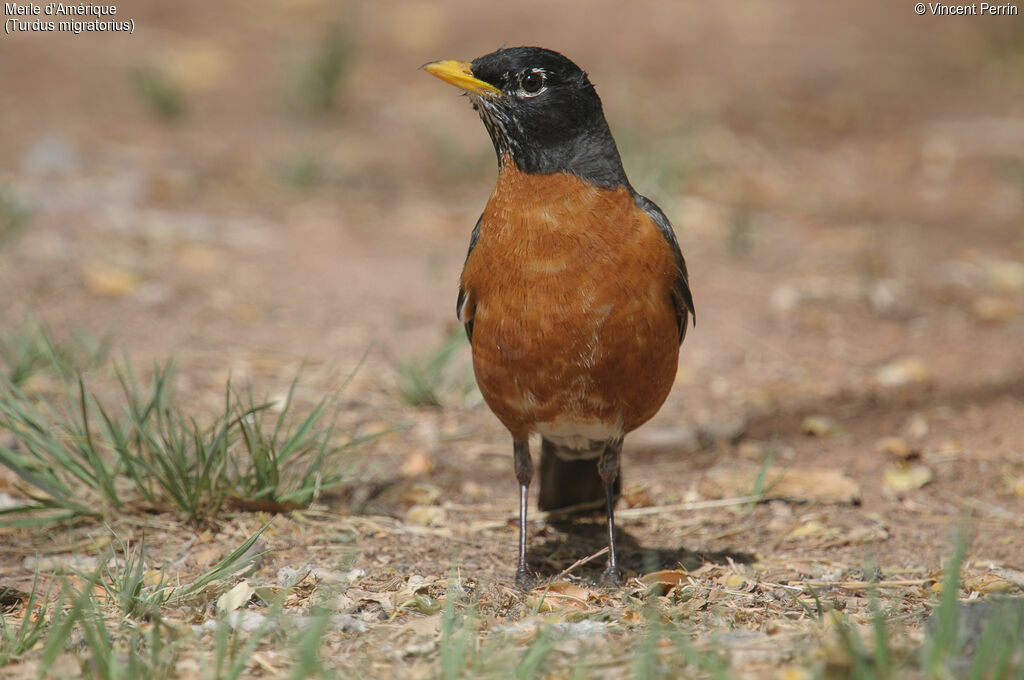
541	112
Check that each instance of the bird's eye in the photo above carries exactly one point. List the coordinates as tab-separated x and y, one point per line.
531	83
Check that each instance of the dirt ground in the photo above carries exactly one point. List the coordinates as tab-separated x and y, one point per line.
847	184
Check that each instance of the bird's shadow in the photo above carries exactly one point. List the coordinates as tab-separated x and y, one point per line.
561	543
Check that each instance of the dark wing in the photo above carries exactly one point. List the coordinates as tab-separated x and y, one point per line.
682	298
463	310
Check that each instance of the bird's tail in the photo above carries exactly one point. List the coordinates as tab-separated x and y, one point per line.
569	477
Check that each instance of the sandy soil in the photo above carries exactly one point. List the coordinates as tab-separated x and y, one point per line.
847	186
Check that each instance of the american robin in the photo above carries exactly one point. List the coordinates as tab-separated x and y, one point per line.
574	294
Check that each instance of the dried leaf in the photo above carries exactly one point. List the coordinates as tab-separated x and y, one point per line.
906	478
661	582
820	426
793	673
426	515
902	372
235	598
559	595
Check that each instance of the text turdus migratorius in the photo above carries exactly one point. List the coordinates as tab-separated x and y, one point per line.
574	294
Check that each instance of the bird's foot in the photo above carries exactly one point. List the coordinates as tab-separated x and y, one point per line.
525	579
612	577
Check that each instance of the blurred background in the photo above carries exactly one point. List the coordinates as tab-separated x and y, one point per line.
248	186
270	189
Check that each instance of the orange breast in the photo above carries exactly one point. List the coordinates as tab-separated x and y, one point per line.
569	287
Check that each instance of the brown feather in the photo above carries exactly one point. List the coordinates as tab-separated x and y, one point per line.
569	288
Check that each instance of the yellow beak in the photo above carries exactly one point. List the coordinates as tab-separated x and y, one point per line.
458	73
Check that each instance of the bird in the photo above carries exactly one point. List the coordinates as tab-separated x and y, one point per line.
574	293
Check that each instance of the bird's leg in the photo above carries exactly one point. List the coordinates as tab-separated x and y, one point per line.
524	473
608	468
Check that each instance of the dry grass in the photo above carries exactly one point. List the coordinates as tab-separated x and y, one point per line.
847	189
